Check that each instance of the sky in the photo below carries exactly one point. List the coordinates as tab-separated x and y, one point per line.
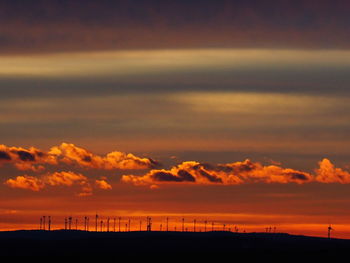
234	112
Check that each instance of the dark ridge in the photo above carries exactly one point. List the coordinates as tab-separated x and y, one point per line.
147	244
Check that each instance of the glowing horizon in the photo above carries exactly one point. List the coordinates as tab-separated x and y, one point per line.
68	166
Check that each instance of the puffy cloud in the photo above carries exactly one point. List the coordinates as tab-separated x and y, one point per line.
71	154
26	182
66	153
102	184
25	159
64	178
327	173
238	173
55	179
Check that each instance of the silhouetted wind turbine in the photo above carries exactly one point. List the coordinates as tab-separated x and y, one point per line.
329	231
49	224
96	221
149	224
70	223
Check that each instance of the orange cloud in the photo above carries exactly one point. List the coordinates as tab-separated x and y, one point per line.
26	182
102	184
63	178
34	159
70	154
26	159
327	173
227	174
238	173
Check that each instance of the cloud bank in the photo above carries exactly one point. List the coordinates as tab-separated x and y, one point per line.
36	161
67	153
40	162
63	25
236	173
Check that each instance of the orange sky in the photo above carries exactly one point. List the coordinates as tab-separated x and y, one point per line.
68	180
231	111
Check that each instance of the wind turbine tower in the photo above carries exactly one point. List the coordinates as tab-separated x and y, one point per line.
70	223
49	224
329	231
149	224
96	222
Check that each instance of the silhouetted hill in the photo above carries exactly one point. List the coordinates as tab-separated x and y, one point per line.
149	244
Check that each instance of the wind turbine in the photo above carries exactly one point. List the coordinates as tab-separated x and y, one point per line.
49	224
329	231
96	222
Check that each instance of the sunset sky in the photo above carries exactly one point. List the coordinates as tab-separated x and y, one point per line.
231	111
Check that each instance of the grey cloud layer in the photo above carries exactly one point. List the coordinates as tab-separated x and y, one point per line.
85	25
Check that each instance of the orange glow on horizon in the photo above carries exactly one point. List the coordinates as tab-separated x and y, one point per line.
100	183
199	222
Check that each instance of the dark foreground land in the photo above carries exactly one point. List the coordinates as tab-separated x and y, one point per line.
170	244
